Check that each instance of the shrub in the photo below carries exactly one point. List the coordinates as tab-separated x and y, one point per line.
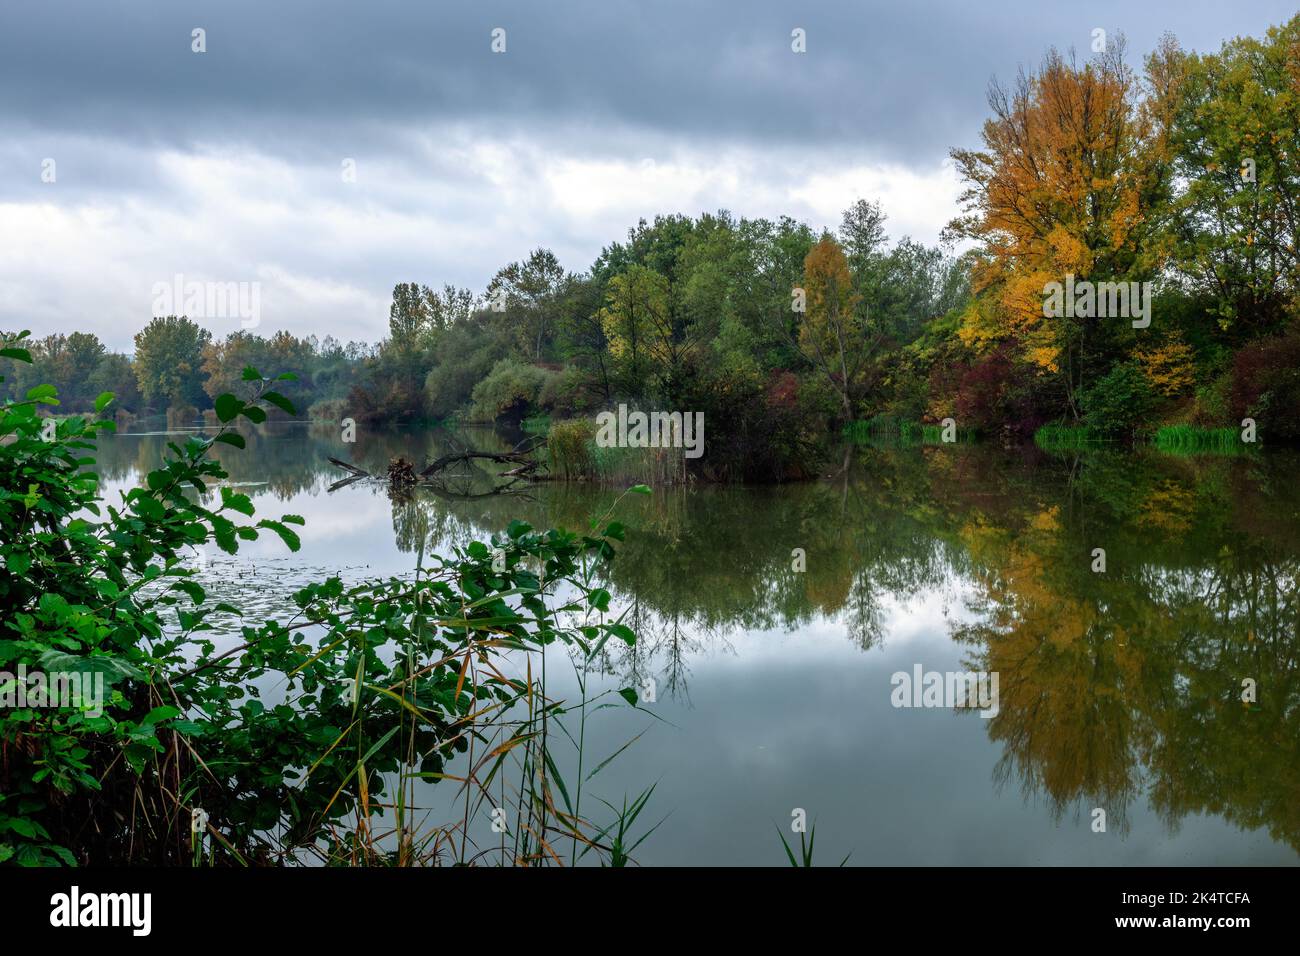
1119	403
981	388
1266	385
566	393
757	428
508	391
1169	367
328	410
464	360
994	395
568	449
375	693
1211	407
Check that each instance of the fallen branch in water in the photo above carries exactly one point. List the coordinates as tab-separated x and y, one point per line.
402	473
439	464
346	466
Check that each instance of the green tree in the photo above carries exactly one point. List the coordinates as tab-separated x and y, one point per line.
1236	141
530	291
638	325
169	361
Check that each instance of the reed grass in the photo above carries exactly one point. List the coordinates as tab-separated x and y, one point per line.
1068	437
573	455
1195	440
890	429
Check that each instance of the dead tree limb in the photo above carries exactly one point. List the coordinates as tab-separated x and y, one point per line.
358	472
440	464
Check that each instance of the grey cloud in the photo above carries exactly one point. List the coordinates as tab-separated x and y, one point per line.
901	80
114	94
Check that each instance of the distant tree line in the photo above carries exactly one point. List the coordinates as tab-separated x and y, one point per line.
1185	175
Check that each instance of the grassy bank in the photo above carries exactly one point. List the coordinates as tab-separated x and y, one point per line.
1067	437
887	428
1194	440
1170	439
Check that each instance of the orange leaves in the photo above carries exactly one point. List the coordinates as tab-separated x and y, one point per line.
1058	189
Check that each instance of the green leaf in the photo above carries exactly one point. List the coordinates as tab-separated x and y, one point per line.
230	438
113	668
287	536
228	407
629	695
280	402
251	374
622	632
237	502
150	508
22	827
193	589
254	414
20	355
640	489
102	401
165	712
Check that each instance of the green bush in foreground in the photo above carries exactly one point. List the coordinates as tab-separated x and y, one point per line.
377	687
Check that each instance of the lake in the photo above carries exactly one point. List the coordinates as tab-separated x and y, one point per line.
772	622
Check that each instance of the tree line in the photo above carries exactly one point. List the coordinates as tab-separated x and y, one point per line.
1184	174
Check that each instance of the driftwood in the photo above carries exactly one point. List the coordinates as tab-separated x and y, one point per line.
402	474
525	462
358	472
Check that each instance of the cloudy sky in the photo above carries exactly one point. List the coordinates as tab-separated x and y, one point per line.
228	165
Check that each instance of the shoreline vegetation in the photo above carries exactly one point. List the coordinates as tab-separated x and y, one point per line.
1127	272
313	737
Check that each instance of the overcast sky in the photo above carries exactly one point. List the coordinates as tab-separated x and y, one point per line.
227	165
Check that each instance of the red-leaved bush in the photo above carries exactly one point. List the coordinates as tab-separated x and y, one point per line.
1266	385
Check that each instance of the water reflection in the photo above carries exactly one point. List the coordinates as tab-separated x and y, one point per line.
1120	689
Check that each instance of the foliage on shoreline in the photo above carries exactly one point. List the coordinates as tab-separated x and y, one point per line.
303	736
1129	176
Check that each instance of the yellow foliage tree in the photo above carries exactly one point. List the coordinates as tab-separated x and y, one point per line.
1170	367
1072	166
831	337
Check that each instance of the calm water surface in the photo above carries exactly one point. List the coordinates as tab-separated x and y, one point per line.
1119	690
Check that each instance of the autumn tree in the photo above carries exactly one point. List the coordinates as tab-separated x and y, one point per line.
1170	366
832	336
224	363
1073	179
